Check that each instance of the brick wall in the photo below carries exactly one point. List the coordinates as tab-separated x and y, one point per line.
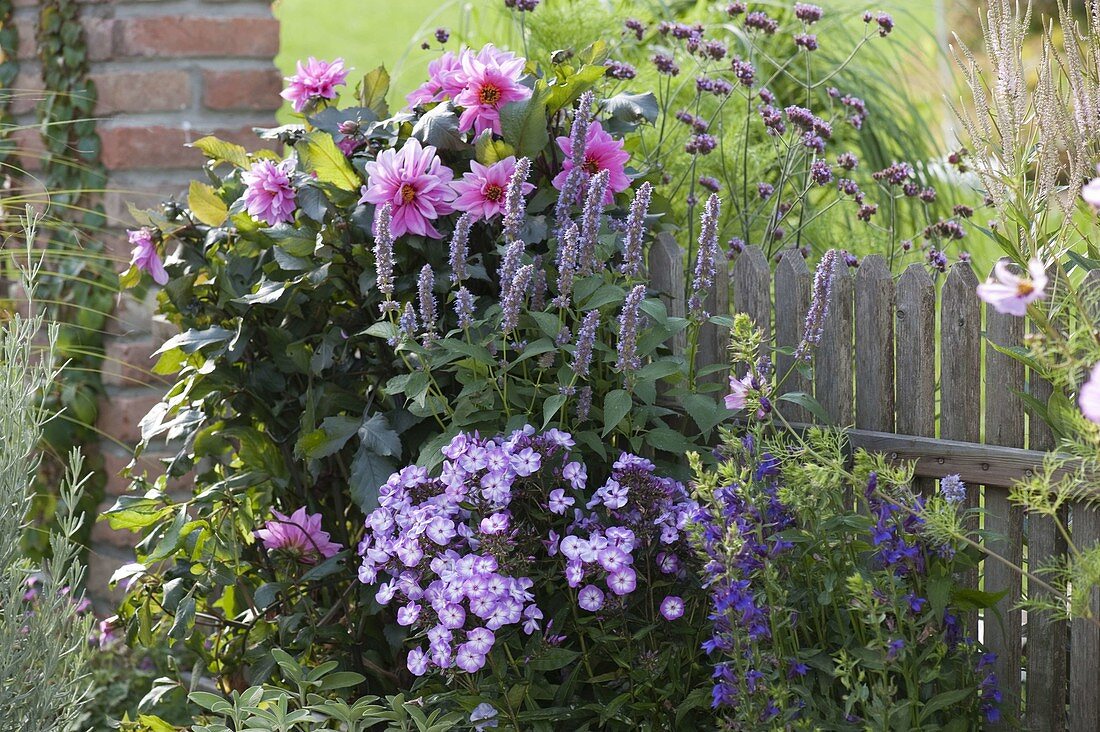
167	72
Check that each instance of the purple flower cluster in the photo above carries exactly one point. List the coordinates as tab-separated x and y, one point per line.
465	556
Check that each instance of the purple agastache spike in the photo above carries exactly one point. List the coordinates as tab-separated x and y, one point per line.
424	285
407	324
515	208
635	233
383	255
464	307
567	265
510	262
459	248
586	338
578	138
584	403
819	306
591	219
706	258
629	322
513	298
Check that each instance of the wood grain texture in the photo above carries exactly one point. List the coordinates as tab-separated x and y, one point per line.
750	283
915	358
1004	425
714	339
833	386
874	345
666	277
792	302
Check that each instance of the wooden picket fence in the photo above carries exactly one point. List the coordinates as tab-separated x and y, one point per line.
875	371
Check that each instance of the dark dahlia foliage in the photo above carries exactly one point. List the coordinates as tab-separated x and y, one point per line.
834	600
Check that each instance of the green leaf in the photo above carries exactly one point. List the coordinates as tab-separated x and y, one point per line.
223	151
192	340
808	403
319	154
566	92
633	109
184	619
439	127
369	471
373	90
969	599
328	440
488	151
551	407
205	204
616	406
704	410
553	659
523	123
377	436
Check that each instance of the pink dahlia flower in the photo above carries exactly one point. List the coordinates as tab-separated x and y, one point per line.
444	81
1090	396
1091	191
270	197
481	192
491	80
415	183
601	152
1009	293
315	80
145	256
299	536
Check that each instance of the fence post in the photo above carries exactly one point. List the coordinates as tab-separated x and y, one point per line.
874	316
666	277
960	379
915	356
1084	661
792	302
714	339
1004	425
751	285
833	362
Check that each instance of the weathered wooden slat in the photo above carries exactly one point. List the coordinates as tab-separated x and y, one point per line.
1084	659
833	360
750	283
714	339
666	277
1047	638
915	356
874	344
960	380
1004	425
792	302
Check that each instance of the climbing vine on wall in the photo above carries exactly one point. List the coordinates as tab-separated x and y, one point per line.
80	282
9	67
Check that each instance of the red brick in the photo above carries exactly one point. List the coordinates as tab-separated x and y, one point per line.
100	568
246	89
129	363
138	148
144	91
119	414
103	534
99	38
192	37
28	143
26	91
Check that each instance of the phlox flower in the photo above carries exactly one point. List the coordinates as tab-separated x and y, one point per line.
270	196
417	662
672	608
145	256
601	152
315	80
491	80
590	598
622	582
1089	398
481	192
298	535
415	183
1009	293
467	659
407	614
739	392
559	502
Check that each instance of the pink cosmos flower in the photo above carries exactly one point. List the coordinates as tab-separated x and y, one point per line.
739	392
316	80
145	256
491	80
444	81
481	192
1009	293
299	535
415	183
270	197
601	152
1089	398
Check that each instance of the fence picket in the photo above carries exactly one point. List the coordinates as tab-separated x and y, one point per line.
1004	425
915	355
833	386
714	339
960	378
750	283
666	277
1084	674
792	301
874	345
1047	638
